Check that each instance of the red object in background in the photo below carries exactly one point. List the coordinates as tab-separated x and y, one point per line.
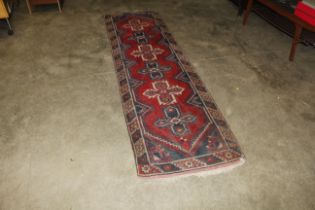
306	12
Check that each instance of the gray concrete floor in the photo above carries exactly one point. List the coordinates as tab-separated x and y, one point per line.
63	139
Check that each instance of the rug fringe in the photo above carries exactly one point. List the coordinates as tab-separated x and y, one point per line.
199	173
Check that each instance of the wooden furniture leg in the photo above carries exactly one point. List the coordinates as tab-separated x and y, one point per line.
10	31
248	10
29	6
295	41
59	6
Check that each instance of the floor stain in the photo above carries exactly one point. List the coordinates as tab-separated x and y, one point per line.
309	116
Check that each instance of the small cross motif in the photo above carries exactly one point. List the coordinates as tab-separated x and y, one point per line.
175	121
154	70
147	52
140	37
164	92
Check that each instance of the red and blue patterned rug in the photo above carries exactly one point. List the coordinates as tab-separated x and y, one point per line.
174	124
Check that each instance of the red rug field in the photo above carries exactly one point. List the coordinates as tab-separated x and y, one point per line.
174	125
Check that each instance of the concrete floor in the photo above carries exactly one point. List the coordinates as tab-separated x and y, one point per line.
63	140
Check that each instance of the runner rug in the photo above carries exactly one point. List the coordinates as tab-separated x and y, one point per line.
174	124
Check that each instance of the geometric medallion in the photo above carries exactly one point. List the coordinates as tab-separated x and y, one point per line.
164	92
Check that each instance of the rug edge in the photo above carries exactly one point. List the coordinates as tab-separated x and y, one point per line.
203	172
